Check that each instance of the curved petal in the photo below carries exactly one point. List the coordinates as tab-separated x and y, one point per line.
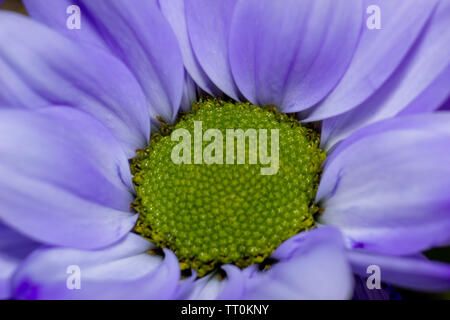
39	67
139	35
292	53
57	14
314	268
378	54
416	273
386	186
122	271
212	288
189	94
208	24
13	249
65	179
420	83
174	12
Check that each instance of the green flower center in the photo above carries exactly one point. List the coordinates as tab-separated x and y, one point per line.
227	184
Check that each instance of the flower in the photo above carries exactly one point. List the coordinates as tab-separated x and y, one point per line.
76	104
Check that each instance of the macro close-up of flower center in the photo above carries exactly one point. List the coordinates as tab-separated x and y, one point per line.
247	183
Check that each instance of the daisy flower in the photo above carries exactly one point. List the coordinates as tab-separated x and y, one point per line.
92	205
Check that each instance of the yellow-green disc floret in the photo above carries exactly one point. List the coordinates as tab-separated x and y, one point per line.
223	212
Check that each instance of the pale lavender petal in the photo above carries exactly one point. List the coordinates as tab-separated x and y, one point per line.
212	288
57	14
446	105
40	67
292	53
378	54
421	82
138	34
386	186
362	291
208	24
123	271
315	269
141	37
411	272
14	247
65	178
174	12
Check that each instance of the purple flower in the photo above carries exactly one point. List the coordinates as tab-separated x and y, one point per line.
76	104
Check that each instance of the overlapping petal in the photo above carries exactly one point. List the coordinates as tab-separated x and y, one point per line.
65	178
378	54
40	67
412	272
386	186
292	53
312	266
212	288
14	247
420	83
122	271
174	11
139	35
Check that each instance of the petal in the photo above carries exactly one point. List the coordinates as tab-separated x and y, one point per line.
208	24
292	53
13	249
139	35
40	67
57	15
174	12
386	185
446	105
416	272
189	94
65	179
420	83
316	269
378	54
122	271
362	291
212	288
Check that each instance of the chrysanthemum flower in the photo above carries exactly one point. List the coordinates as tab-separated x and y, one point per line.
77	104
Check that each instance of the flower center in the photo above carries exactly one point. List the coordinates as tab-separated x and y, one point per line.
227	184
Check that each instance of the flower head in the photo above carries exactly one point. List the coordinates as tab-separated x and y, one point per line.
75	105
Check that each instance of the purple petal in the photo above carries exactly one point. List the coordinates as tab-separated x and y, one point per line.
416	273
208	24
386	186
378	54
65	179
174	12
140	36
189	93
123	271
292	53
362	291
446	105
13	249
40	67
212	288
315	269
420	83
55	16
